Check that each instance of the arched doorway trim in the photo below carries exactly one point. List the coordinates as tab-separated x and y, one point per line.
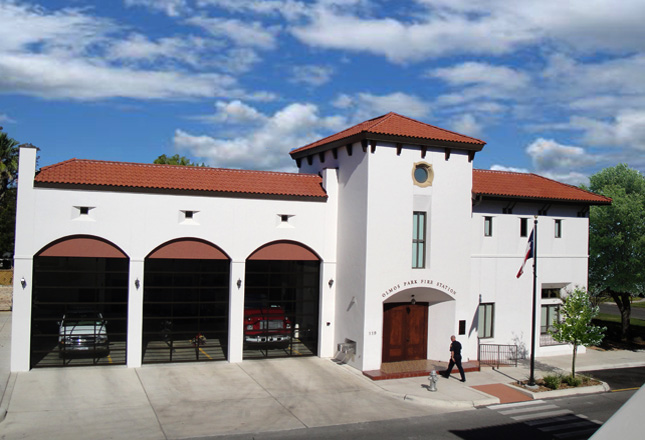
284	250
82	246
188	249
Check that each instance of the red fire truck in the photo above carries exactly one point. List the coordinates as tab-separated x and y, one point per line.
266	325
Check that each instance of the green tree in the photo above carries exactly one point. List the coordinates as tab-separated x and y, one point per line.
177	160
8	163
8	222
617	238
8	175
575	325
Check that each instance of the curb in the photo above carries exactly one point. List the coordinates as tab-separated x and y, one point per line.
632	364
594	389
463	404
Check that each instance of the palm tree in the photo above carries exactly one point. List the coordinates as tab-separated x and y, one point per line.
8	162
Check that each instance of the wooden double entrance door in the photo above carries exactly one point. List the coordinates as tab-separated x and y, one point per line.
405	332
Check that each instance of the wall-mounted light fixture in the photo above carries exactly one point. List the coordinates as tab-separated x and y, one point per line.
331	283
137	283
23	282
239	283
413	301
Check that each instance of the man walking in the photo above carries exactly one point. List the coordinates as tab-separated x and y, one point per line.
455	359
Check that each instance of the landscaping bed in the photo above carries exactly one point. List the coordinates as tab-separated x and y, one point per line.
543	385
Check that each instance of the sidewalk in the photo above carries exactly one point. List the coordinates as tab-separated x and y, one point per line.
206	399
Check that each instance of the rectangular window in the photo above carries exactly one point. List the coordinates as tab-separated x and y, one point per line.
485	320
558	229
524	227
84	210
418	240
488	226
550	315
550	293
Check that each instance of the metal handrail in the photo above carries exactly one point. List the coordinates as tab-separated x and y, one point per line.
497	355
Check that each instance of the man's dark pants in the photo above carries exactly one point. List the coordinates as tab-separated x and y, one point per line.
457	362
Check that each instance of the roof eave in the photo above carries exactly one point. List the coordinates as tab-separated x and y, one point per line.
178	191
541	199
358	137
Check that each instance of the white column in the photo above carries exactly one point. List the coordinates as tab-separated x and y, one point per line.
135	313
21	315
236	312
327	314
23	260
326	347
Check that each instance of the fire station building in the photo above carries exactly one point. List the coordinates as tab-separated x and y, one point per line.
385	244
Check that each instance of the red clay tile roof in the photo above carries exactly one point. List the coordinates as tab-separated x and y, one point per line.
174	177
530	186
394	124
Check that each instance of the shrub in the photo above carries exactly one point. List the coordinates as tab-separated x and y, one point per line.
552	381
573	381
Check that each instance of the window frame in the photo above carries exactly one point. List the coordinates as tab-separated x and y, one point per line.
419	241
557	228
524	227
487	327
488	226
544	329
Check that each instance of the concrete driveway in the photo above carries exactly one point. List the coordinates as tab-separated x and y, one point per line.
192	400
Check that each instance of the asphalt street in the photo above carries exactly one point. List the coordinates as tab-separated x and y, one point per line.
576	417
612	309
620	379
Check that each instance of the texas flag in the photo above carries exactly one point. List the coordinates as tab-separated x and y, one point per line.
529	254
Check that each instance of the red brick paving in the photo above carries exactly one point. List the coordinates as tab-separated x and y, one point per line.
504	393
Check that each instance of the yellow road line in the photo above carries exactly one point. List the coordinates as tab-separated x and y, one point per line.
205	354
626	389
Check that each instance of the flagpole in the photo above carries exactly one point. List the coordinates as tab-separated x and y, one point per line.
532	376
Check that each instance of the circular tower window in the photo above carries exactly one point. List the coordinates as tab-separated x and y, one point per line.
422	174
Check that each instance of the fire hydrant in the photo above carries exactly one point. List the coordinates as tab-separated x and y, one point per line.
433	379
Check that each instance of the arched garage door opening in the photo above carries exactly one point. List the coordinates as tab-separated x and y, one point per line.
281	301
79	304
185	303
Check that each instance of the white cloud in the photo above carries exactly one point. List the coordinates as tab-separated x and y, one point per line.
68	29
235	112
312	75
625	130
509	169
237	60
548	155
69	54
491	27
290	9
616	75
50	77
367	105
468	125
265	146
137	47
4	118
401	42
242	33
172	8
481	82
477	73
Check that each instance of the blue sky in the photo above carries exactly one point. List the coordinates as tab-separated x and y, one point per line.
553	87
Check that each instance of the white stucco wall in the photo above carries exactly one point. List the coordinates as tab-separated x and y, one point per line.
362	233
497	259
377	198
139	222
